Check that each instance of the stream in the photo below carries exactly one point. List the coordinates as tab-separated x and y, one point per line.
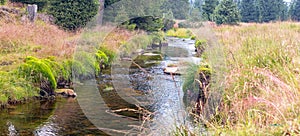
129	101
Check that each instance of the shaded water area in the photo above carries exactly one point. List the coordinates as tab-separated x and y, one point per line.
129	101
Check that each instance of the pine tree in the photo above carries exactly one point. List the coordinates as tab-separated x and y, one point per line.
295	11
73	14
271	10
208	8
248	11
227	13
180	8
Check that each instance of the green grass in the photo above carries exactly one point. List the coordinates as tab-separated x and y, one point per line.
14	87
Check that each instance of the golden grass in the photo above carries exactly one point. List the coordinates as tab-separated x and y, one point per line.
18	40
179	32
262	94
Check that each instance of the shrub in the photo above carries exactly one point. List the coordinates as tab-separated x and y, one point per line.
73	14
14	87
199	43
111	55
2	2
38	71
147	23
181	33
227	13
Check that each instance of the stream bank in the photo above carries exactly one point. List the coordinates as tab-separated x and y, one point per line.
103	104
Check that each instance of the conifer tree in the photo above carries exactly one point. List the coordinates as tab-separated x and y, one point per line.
227	13
295	10
248	11
208	8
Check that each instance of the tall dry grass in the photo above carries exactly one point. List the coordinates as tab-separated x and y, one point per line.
53	41
262	95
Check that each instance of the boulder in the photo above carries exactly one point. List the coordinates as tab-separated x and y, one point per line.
171	70
66	92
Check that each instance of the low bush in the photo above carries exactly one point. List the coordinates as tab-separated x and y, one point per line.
180	33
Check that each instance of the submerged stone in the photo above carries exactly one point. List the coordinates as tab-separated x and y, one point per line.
149	57
172	70
66	92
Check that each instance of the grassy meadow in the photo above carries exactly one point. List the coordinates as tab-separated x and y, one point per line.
262	80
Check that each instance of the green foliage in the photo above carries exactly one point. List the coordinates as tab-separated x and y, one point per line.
180	32
227	13
271	10
192	73
139	42
248	11
189	24
74	68
208	8
111	55
168	24
101	60
122	15
183	131
157	37
200	43
73	14
147	23
14	87
101	56
195	15
110	2
295	10
193	37
85	64
2	2
42	4
179	8
38	70
189	78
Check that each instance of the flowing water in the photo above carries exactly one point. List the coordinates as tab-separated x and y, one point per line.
130	101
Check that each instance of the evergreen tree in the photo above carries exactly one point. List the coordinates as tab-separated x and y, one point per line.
180	8
208	8
271	10
284	11
295	10
227	13
73	14
249	11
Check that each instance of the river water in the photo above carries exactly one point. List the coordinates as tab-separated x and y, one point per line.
129	101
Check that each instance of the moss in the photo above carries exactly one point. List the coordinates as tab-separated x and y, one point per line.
148	57
14	87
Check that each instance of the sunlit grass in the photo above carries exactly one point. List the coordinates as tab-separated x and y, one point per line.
179	32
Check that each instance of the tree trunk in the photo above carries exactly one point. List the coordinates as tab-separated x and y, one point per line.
100	12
